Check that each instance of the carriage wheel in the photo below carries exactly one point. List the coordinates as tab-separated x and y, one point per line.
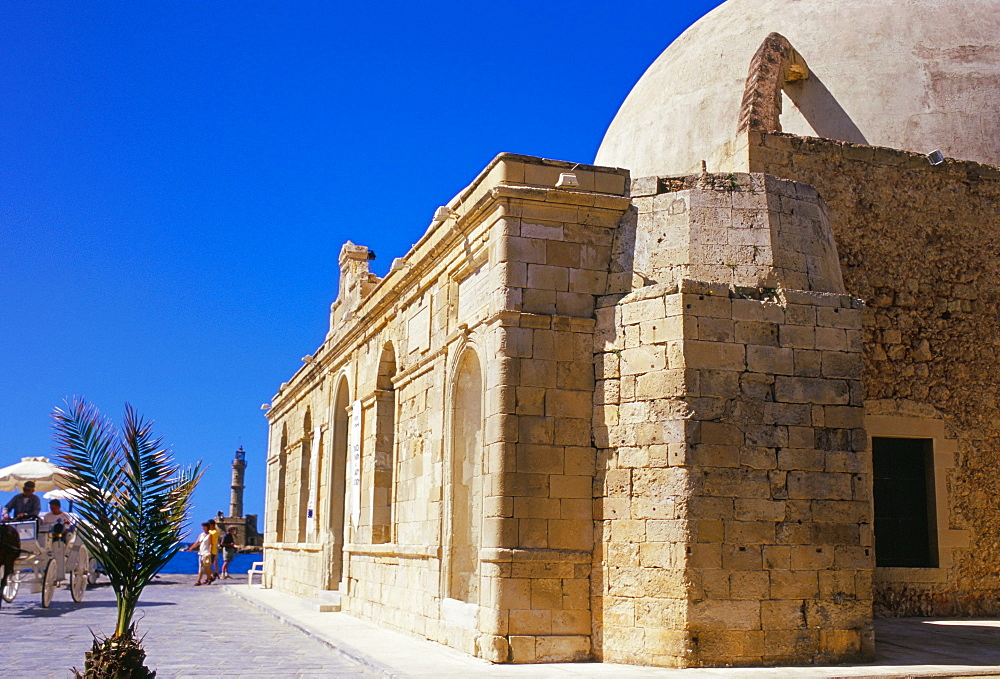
79	578
48	583
13	584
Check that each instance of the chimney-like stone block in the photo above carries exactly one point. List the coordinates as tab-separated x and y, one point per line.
749	230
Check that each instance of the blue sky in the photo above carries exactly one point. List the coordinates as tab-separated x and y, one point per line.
176	180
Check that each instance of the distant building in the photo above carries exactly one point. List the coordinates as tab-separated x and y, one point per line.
246	526
638	411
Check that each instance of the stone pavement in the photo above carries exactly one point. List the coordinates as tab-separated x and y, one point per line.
905	647
190	632
202	632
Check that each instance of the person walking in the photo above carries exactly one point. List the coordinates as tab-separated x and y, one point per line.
213	533
204	546
228	551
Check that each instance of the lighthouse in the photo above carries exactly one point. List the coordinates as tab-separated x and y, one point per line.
236	497
246	526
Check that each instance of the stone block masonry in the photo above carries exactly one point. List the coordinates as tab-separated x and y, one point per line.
752	230
465	514
732	530
920	244
541	438
591	416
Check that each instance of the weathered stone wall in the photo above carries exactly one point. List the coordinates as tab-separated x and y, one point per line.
419	427
921	244
640	587
476	525
290	447
742	229
545	522
538	530
295	569
735	479
724	516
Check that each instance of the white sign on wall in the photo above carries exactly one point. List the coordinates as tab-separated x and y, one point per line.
354	450
313	484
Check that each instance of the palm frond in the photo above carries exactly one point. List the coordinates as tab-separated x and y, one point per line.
133	498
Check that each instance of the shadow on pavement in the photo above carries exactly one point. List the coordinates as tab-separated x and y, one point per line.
937	641
59	608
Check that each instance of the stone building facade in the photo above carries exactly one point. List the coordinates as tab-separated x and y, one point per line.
673	418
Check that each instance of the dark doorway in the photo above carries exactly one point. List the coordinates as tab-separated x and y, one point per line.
904	502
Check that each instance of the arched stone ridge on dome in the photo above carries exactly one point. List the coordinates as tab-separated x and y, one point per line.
775	63
917	75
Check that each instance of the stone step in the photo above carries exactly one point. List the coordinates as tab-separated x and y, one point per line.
327	601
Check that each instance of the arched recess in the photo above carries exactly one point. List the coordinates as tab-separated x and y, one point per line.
305	468
316	482
338	483
778	71
466	479
279	520
385	444
775	63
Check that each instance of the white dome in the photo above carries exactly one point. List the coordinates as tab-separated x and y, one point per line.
917	75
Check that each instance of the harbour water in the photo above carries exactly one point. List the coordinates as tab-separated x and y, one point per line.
187	562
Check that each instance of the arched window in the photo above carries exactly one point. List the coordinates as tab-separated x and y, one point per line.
317	483
279	520
385	444
305	467
466	478
338	483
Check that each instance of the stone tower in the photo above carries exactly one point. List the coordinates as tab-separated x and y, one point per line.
239	469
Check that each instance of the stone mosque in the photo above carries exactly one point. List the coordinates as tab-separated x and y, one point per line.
721	397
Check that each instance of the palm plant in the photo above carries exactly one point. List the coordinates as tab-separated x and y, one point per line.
134	501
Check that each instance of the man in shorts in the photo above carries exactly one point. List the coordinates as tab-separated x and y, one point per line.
205	556
214	537
228	550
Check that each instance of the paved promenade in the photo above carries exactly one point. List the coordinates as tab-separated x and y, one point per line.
913	647
190	632
204	632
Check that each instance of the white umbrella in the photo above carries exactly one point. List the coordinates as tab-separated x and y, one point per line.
62	494
46	475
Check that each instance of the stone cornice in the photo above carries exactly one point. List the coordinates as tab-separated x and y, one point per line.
507	178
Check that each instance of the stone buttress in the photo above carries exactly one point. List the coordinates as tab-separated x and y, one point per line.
733	487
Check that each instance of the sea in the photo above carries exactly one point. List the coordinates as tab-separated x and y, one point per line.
187	562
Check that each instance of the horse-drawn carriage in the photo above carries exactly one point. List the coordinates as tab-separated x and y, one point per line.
39	554
46	558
